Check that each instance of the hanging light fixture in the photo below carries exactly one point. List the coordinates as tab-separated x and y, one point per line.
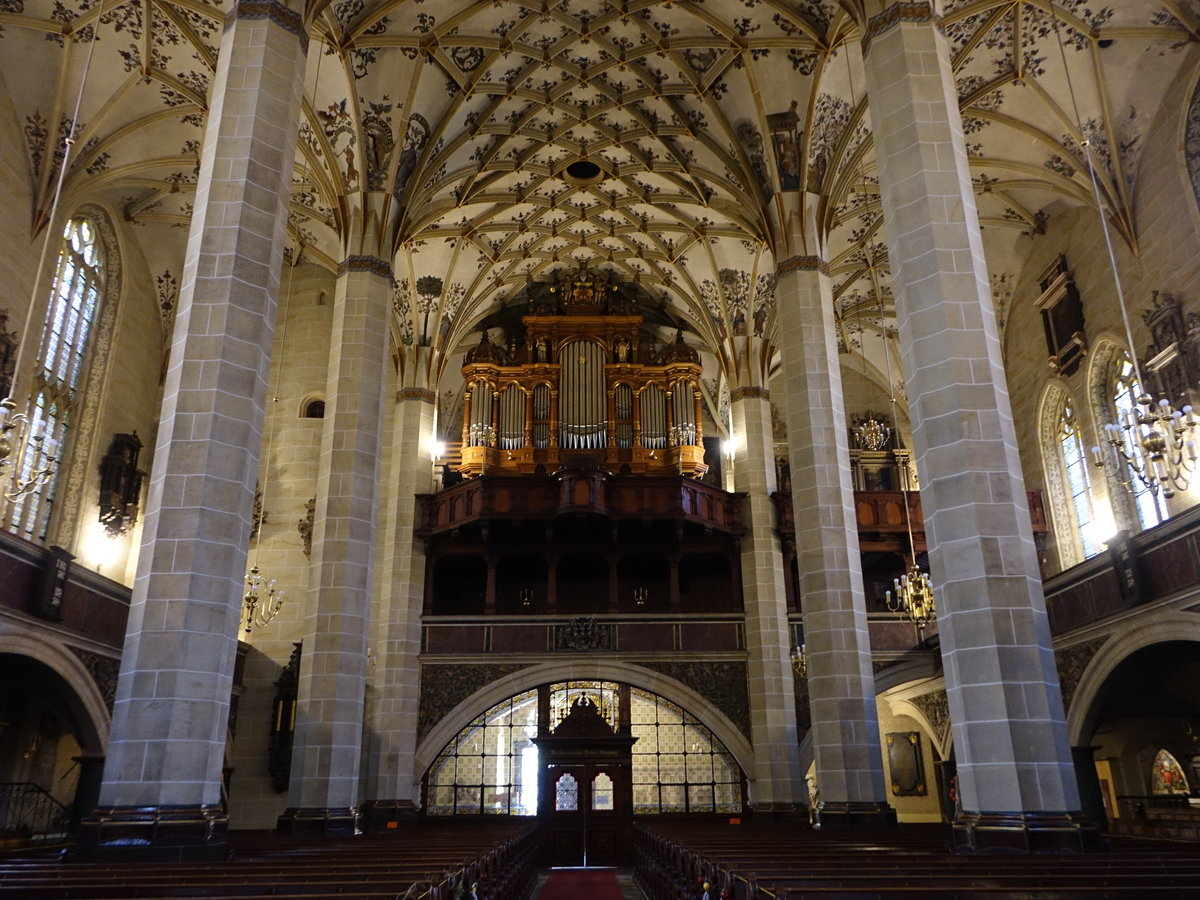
1153	443
870	431
263	598
800	661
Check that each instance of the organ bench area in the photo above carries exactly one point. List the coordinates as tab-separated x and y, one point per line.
582	444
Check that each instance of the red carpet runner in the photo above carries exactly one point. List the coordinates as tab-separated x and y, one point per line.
581	884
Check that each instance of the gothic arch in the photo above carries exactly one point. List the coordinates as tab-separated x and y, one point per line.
79	688
585	670
1169	626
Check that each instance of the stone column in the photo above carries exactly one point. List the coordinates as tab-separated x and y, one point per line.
323	794
1015	775
161	793
393	785
841	681
777	782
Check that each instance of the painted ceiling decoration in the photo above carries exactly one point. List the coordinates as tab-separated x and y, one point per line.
654	141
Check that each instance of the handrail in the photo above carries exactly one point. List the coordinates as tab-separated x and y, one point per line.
28	810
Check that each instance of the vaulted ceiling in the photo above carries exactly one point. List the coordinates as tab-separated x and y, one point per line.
658	139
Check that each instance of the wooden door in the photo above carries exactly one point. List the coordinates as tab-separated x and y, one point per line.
588	814
585	794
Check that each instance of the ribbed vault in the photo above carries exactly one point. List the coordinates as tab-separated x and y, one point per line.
517	140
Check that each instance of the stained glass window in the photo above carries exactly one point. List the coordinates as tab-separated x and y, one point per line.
679	765
1167	775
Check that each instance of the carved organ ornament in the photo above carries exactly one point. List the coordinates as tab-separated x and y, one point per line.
580	382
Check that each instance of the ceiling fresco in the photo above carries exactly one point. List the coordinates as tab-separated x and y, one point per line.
658	141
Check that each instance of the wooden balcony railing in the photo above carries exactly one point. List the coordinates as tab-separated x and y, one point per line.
580	491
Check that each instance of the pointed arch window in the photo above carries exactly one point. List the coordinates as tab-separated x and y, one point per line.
1075	471
74	302
1078	526
1124	390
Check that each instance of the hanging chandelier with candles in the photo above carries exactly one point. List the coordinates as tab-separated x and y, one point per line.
261	602
912	597
28	459
800	661
1152	442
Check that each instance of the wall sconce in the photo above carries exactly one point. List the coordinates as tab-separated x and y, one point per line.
526	598
120	484
640	596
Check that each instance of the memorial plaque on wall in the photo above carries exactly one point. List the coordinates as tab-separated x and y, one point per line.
905	763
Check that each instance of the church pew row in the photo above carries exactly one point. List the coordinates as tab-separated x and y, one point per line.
500	865
675	861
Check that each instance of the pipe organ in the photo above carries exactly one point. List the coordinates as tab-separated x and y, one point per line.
578	381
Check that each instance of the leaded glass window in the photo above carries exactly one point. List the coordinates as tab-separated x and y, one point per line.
566	793
74	302
678	764
1075	468
491	766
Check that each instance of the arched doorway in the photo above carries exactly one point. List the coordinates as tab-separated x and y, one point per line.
676	765
49	750
1148	709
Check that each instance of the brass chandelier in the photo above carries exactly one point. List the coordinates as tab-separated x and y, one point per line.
1153	442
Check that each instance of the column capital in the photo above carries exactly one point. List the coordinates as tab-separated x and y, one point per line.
287	19
371	264
750	392
801	264
421	395
889	15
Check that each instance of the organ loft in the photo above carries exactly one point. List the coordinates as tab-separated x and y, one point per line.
581	379
581	487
